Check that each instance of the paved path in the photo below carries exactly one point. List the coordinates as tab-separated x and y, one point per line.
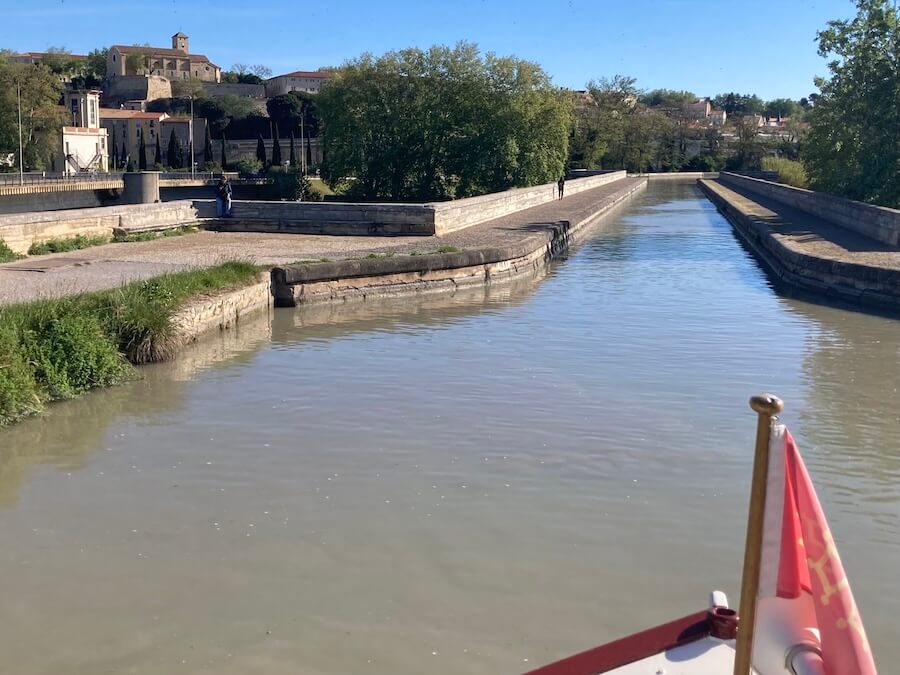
109	266
805	233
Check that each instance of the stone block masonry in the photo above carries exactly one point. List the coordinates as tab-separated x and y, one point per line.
812	256
21	230
876	222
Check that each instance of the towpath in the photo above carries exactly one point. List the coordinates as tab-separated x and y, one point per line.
804	233
108	266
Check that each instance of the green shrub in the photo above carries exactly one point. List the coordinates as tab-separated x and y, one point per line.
7	254
71	353
62	245
155	234
247	165
292	185
59	348
789	171
19	394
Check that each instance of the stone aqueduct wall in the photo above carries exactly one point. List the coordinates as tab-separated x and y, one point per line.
21	230
875	222
460	213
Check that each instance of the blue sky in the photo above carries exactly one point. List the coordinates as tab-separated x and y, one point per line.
705	46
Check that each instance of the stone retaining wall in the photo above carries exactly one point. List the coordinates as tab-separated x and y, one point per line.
21	230
460	213
851	282
875	222
383	277
220	311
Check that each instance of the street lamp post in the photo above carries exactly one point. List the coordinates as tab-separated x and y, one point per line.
21	154
191	135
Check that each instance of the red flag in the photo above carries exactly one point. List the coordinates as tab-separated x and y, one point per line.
804	594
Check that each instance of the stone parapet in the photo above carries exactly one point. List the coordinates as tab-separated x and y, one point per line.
397	275
21	230
461	213
876	222
787	262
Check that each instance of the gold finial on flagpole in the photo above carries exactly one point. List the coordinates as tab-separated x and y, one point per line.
766	406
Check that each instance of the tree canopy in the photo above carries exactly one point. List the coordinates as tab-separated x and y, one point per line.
42	118
853	144
443	122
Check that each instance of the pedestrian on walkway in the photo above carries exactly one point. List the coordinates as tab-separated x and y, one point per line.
561	185
223	198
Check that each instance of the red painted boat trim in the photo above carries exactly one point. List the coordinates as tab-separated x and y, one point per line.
632	648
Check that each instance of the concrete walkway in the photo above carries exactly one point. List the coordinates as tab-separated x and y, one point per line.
804	233
108	266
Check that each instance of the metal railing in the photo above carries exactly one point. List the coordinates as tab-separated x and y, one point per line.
44	177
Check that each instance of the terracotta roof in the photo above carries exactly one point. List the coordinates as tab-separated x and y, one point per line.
119	114
159	51
306	73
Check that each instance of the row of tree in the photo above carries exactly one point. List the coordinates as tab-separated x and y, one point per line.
441	123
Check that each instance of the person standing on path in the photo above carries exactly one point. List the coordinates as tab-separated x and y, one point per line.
223	198
561	185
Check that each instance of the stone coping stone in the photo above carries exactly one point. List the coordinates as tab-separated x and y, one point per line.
401	264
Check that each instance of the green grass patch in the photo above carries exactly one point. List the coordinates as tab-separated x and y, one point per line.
55	349
447	249
320	186
156	234
789	172
7	254
63	245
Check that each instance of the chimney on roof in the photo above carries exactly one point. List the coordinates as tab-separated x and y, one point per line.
180	42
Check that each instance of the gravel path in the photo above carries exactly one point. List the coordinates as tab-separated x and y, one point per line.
813	236
109	266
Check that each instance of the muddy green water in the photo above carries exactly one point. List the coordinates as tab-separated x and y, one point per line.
476	483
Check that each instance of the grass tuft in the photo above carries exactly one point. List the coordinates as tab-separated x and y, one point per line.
7	254
75	243
156	234
53	349
789	172
447	249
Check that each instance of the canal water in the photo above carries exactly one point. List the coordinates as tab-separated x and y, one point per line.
477	483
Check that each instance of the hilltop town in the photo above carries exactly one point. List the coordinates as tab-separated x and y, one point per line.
143	107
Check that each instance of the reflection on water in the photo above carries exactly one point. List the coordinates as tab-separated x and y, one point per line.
474	483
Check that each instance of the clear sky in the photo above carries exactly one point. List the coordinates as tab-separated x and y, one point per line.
705	46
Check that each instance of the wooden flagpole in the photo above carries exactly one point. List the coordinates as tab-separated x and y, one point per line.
767	407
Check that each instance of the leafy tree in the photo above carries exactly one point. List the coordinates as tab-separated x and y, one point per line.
192	87
135	63
667	98
172	151
292	159
42	118
96	63
261	151
445	122
60	61
115	151
748	148
142	155
124	157
276	148
157	158
852	147
782	107
221	112
739	104
241	73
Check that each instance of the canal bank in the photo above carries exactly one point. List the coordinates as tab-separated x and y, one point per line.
151	319
358	489
495	251
835	248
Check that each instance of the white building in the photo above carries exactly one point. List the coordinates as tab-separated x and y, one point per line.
84	146
300	80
